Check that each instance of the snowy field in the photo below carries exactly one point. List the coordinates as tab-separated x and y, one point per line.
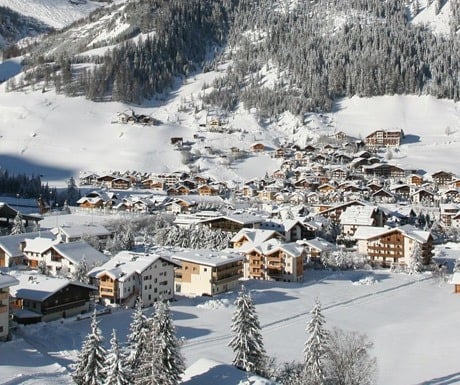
412	320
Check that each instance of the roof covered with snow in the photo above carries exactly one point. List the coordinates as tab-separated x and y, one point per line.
207	257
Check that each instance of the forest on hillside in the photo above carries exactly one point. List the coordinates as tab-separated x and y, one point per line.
316	51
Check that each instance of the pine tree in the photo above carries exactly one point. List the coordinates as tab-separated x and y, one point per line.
81	270
162	362
137	339
315	348
18	225
247	343
115	370
89	368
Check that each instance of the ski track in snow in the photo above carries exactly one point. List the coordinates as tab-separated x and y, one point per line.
285	322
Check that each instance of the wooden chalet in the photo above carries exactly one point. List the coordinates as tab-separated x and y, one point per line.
384	138
40	298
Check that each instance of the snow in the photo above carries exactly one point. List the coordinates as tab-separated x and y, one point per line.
411	319
55	13
438	24
422	118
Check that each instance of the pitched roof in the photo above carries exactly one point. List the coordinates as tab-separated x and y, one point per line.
76	251
37	287
207	257
10	243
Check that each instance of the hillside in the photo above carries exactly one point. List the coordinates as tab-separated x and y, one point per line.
120	56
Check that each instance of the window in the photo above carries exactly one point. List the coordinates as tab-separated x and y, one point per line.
205	269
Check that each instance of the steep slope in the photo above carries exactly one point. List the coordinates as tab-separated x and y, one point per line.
54	13
14	27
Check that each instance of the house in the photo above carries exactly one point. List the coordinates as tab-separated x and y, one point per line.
384	138
383	170
121	183
422	196
234	222
357	216
206	190
42	298
129	275
34	248
74	233
402	191
387	246
443	178
247	238
205	272
12	247
274	260
448	211
8	213
6	281
334	212
257	147
64	258
316	249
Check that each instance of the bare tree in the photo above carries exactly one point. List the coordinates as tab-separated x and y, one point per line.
348	360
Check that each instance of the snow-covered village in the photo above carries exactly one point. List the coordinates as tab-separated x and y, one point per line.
232	192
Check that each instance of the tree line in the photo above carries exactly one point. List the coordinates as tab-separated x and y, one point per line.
152	353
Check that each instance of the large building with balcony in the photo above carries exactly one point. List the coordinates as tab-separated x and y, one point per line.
275	260
205	272
129	275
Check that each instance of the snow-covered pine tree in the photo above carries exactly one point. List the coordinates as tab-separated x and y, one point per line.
115	366
89	368
18	225
137	339
315	348
81	269
247	342
162	362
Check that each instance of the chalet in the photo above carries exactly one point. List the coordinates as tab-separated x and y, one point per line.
12	247
88	179
181	189
384	138
8	213
387	246
129	275
41	298
153	184
106	180
207	190
248	238
422	196
234	223
91	203
383	196
34	248
339	173
443	178
267	195
448	211
121	183
316	249
273	260
415	180
248	191
6	281
383	170
336	211
204	272
64	258
292	229
401	190
359	216
257	147
74	233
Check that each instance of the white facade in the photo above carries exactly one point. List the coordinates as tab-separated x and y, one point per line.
5	282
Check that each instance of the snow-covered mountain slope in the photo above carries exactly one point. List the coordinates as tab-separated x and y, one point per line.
55	13
437	20
58	136
14	27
